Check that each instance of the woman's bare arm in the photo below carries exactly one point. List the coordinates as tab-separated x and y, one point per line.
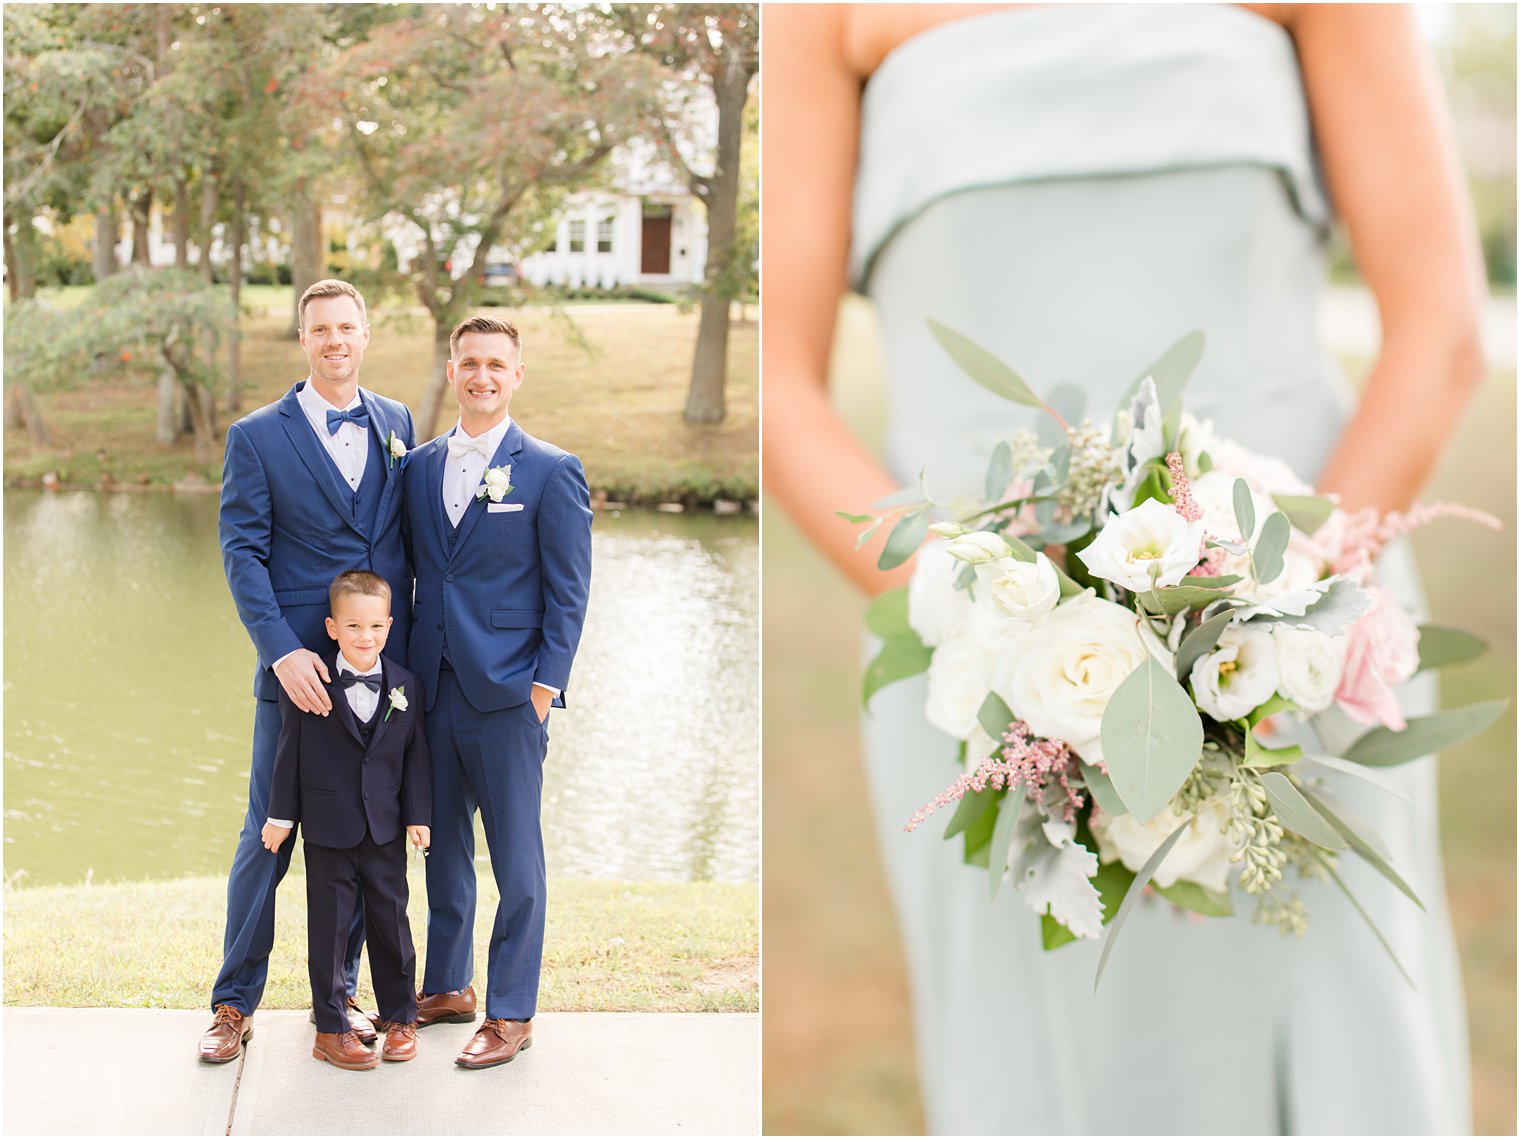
813	464
1380	121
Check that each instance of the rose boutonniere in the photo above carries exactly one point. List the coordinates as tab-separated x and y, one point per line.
398	700
496	484
394	449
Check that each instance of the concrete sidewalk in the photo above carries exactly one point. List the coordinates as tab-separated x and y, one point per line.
586	1074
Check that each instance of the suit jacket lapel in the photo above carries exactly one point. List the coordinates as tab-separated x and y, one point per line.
323	473
437	460
341	707
510	444
382	707
392	471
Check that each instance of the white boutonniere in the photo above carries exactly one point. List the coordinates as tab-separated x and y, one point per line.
398	700
394	449
496	484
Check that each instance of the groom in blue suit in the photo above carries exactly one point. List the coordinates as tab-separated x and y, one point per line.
311	487
500	532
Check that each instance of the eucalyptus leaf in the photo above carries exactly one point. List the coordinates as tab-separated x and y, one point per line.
1175	599
973	805
868	533
1171	372
899	658
1205	582
1306	512
1132	896
994	716
1102	789
1295	813
1245	509
1152	739
908	496
1366	917
1205	462
1360	843
977	838
856	518
1200	642
1002	838
1070	402
1221	544
1274	704
1356	771
1270	547
1199	899
1060	535
1060	463
1441	645
887	615
983	367
904	540
999	470
1423	735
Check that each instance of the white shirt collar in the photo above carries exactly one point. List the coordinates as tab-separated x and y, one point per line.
492	437
316	408
343	663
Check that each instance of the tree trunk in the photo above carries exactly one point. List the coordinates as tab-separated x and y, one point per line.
438	382
167	429
107	230
209	198
181	223
26	408
235	273
200	419
20	259
308	261
709	369
15	414
142	215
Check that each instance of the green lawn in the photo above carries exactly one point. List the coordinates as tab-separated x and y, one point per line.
838	1055
608	947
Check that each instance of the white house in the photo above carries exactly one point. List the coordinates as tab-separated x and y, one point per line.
643	235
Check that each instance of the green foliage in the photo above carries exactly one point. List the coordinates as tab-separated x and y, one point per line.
1424	735
1441	645
1152	738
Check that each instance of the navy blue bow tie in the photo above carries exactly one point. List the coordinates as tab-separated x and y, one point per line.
336	419
349	679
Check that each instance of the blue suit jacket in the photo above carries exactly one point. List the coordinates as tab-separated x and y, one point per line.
326	780
287	529
510	595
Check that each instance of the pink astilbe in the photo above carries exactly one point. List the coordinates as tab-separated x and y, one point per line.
1187	506
1364	533
1024	760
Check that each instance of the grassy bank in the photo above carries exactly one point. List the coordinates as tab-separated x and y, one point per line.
609	946
614	398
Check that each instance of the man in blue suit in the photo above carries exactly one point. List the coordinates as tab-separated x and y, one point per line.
500	531
311	486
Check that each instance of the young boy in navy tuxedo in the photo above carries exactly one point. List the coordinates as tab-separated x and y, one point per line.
354	779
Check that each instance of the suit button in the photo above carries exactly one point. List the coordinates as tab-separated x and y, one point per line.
440	628
366	794
448	577
366	759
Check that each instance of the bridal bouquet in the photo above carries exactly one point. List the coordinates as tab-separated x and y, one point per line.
1152	645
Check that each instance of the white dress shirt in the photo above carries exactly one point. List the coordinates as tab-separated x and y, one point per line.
463	474
360	699
349	445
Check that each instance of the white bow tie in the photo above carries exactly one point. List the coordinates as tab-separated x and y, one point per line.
462	444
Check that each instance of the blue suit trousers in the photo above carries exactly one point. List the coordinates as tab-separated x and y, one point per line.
492	761
251	886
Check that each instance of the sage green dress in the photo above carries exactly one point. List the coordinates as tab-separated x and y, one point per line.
1075	188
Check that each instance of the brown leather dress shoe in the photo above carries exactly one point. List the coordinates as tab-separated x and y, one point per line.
448	1008
343	1050
360	1023
224	1040
496	1042
400	1041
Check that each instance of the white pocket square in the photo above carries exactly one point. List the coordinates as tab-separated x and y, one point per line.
502	507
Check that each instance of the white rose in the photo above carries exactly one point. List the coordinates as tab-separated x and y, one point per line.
1201	855
1240	674
978	546
937	611
1068	667
997	631
1152	534
958	683
398	699
1309	666
1021	589
398	448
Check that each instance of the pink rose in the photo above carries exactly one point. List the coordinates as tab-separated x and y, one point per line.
1383	652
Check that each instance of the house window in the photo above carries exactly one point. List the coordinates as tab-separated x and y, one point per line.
604	236
554	241
578	235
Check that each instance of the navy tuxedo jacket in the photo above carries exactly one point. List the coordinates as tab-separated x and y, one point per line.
326	779
508	594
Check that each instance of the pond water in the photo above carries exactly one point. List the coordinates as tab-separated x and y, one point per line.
128	706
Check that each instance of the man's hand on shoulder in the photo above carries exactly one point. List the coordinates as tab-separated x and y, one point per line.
302	675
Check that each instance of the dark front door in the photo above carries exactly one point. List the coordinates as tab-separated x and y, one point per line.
655	257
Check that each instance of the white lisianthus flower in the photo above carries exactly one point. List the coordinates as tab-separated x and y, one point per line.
978	546
1021	589
1238	676
1152	534
1201	855
937	611
947	529
958	683
997	631
1309	666
1068	667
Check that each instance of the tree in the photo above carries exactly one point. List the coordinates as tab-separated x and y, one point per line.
717	46
469	124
